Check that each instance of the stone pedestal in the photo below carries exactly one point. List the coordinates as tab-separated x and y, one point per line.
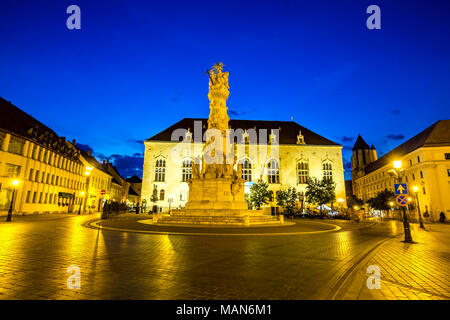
218	196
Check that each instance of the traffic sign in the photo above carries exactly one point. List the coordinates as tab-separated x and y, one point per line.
402	200
103	192
401	188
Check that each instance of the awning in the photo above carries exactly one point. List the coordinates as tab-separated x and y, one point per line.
66	195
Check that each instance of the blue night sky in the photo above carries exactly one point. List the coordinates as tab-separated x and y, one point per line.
136	67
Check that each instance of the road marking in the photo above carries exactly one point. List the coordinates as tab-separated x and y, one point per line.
94	224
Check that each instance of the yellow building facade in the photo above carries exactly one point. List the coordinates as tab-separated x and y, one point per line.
289	156
54	176
49	173
426	161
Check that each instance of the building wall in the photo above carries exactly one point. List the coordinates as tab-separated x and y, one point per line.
56	173
426	168
288	157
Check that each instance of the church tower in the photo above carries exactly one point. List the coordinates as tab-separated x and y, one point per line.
362	155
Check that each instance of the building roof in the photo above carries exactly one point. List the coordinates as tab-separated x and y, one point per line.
288	130
131	192
435	135
361	144
134	179
92	161
18	122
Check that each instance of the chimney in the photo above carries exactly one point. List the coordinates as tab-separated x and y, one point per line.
73	142
89	152
103	161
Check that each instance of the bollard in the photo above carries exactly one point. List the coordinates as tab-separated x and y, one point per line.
281	218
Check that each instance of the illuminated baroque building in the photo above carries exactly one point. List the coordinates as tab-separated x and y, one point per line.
301	154
426	160
51	171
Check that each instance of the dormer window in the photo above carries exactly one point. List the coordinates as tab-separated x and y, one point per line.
188	136
272	137
300	138
245	138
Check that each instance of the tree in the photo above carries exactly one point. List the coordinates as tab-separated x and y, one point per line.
353	201
259	194
381	200
320	192
288	199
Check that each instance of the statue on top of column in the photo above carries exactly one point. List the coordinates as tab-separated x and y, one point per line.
218	95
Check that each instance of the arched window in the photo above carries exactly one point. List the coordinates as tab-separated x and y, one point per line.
302	172
186	170
160	170
273	172
246	169
327	171
161	194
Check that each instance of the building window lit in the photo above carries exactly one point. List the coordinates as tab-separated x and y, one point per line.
162	194
302	172
12	170
246	170
160	170
273	171
16	145
327	171
186	171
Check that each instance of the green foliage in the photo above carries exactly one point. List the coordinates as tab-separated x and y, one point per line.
259	194
353	201
288	199
320	191
381	200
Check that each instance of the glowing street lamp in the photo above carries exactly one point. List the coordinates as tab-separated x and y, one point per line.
415	190
398	172
15	183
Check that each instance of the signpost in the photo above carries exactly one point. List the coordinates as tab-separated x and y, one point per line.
402	200
103	192
401	188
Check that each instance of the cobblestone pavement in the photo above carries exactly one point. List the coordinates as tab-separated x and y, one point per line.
35	254
419	271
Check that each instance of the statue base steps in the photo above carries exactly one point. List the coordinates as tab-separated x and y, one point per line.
234	220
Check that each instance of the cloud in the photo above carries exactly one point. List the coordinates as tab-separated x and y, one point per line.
128	165
235	113
84	147
395	137
136	141
346	139
395	111
347	165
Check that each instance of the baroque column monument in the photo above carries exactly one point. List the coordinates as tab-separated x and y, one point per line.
216	190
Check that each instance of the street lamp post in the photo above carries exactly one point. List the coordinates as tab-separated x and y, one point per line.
87	173
170	201
81	202
15	184
399	172
415	189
